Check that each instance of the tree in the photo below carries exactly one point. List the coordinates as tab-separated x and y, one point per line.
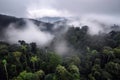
113	69
33	47
34	59
74	71
26	76
62	73
117	52
5	66
72	60
108	54
97	61
22	42
3	51
13	70
106	75
96	72
91	77
24	50
51	77
17	55
53	60
40	74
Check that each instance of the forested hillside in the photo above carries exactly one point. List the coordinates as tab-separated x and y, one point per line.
88	57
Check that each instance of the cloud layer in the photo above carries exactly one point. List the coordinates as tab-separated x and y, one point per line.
31	33
24	8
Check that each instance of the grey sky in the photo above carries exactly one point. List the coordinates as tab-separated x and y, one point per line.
30	8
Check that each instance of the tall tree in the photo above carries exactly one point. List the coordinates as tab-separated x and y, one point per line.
40	74
17	56
62	73
5	66
74	71
34	59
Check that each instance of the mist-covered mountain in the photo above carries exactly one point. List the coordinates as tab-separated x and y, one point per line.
56	24
51	19
43	33
69	50
6	20
11	27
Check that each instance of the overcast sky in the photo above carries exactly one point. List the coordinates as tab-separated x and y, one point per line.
40	8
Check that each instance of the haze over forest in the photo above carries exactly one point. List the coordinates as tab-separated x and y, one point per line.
59	40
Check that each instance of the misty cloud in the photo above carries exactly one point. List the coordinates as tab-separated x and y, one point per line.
61	47
105	11
31	33
96	23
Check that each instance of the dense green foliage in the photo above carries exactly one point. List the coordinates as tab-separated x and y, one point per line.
95	57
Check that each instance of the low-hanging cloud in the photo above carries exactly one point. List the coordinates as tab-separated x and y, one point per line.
36	12
30	33
61	47
96	23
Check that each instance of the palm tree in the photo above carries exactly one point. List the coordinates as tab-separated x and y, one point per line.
5	66
24	49
61	72
17	55
40	74
34	59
